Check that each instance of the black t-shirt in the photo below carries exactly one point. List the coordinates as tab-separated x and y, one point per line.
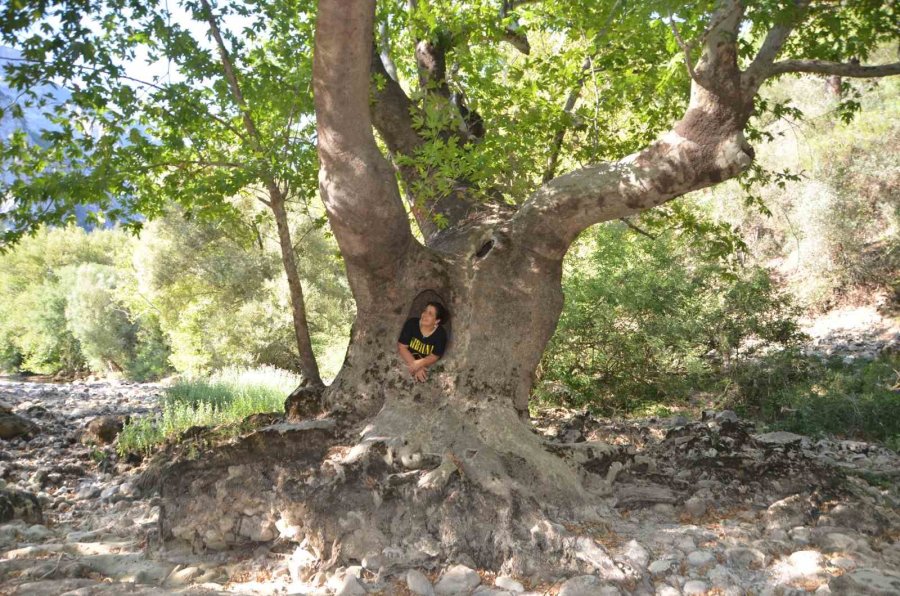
419	345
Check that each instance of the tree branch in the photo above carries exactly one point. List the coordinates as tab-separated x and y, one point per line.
384	47
771	46
556	146
513	35
842	69
686	49
637	229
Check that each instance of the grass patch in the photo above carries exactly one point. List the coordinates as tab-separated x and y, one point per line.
223	399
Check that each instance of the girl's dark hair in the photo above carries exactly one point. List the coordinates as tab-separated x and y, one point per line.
441	312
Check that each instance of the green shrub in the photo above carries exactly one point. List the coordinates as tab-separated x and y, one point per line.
804	394
223	399
98	320
223	299
67	305
649	321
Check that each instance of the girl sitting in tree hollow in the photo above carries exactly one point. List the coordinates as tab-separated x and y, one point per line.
422	341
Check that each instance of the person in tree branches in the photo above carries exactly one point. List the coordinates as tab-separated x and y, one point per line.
422	341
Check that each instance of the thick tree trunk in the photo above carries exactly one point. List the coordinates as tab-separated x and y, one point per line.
441	469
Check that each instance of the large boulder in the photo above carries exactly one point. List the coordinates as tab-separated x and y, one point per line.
18	504
103	430
12	426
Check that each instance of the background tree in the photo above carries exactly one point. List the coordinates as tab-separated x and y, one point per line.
229	116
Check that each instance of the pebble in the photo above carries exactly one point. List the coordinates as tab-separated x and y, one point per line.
700	558
660	566
587	585
508	583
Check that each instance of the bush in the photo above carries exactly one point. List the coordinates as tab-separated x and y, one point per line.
853	399
223	299
651	320
98	320
223	399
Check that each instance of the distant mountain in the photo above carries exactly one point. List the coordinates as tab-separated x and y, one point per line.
32	121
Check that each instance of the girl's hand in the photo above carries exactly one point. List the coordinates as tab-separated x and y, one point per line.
420	375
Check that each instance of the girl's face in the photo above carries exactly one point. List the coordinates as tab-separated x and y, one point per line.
429	319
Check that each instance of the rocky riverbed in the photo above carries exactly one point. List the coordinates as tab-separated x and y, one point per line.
705	506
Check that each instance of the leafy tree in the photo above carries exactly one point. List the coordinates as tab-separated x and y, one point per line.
495	232
221	301
235	118
69	306
97	320
35	280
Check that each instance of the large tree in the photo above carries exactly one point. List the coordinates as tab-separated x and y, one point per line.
450	467
451	463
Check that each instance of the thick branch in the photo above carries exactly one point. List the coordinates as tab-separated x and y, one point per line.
384	47
357	184
672	166
391	112
840	69
231	77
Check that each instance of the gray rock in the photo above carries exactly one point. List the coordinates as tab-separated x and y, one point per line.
595	555
695	587
37	533
727	416
490	591
779	439
418	583
836	542
866	581
701	558
19	504
456	580
696	506
660	566
349	586
587	585
109	492
667	590
13	426
745	558
800	535
508	583
88	491
787	513
637	554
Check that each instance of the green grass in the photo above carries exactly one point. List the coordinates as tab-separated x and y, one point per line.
221	400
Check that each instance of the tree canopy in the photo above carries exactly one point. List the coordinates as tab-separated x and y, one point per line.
494	97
